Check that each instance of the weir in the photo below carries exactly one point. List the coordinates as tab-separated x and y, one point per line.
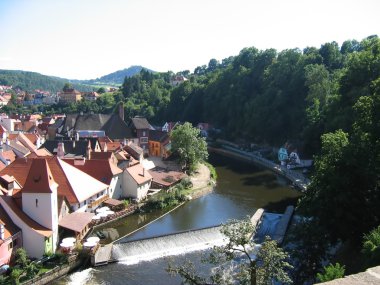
135	251
151	248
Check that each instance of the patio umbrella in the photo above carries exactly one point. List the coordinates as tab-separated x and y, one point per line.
103	214
89	244
100	210
69	240
66	244
96	217
109	212
93	239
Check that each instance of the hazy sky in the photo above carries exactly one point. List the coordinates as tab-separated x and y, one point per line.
84	39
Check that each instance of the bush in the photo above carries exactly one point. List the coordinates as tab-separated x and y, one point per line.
212	169
331	272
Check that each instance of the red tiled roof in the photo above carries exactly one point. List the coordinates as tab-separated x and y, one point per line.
103	155
166	178
10	228
20	169
40	179
8	155
76	221
25	218
111	146
98	169
139	174
2	165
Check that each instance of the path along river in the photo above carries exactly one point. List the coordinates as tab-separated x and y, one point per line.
241	189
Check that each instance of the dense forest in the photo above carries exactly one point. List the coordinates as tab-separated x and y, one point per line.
30	81
265	96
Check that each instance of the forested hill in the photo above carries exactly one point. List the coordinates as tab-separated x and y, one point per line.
117	77
265	95
30	81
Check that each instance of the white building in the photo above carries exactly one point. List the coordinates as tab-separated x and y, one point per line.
136	182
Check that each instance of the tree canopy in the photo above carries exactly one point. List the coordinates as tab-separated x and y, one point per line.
189	145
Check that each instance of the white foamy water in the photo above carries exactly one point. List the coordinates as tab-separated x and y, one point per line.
82	277
150	249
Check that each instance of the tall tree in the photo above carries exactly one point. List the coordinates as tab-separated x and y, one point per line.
189	145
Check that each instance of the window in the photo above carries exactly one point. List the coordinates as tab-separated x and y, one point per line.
144	134
10	245
144	140
85	202
36	203
14	242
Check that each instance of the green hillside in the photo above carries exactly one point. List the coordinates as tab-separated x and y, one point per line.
115	78
29	81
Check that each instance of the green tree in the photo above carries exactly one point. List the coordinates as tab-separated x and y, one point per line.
101	90
67	87
331	272
371	247
189	145
269	265
21	258
15	276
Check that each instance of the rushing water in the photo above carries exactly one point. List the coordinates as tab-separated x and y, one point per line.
241	189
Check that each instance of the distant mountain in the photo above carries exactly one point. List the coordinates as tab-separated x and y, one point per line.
30	81
115	78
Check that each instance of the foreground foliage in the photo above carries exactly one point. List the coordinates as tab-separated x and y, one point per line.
331	272
237	262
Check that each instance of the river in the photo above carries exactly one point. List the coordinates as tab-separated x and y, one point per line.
241	189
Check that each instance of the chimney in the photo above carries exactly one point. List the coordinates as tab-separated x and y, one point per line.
2	232
143	171
77	136
88	152
61	150
121	110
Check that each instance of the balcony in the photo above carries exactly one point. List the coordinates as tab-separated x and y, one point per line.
96	203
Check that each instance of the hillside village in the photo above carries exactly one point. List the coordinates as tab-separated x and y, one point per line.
56	171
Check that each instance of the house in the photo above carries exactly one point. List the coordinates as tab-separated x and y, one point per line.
112	124
136	181
10	237
90	96
140	128
135	151
68	148
70	96
177	80
156	141
169	126
37	216
204	128
70	182
103	170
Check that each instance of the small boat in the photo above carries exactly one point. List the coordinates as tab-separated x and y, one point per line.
100	235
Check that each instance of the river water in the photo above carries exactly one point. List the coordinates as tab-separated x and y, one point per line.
241	189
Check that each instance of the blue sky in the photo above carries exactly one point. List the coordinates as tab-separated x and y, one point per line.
84	39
